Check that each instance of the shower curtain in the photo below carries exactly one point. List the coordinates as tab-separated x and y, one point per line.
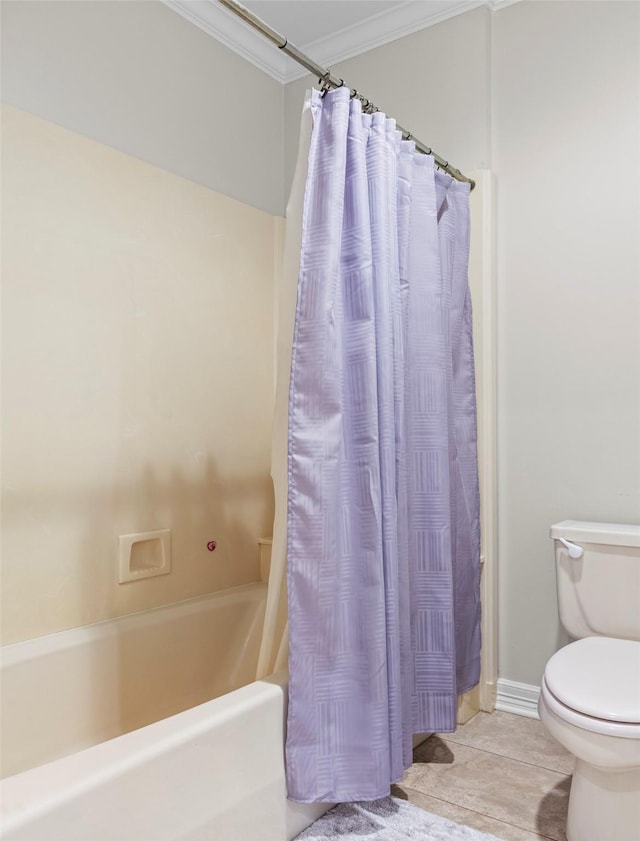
382	517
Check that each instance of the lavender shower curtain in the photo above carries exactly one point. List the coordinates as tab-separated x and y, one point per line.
383	536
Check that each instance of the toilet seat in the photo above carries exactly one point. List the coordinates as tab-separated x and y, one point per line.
598	676
595	682
586	722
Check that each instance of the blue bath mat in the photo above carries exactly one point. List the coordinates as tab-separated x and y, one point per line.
389	819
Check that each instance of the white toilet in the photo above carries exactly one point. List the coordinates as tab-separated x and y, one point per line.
590	694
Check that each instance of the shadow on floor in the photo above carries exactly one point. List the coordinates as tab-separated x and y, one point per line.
434	750
398	792
552	811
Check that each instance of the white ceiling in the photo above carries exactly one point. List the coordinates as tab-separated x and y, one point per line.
305	21
328	31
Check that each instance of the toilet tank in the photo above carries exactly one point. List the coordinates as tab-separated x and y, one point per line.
599	593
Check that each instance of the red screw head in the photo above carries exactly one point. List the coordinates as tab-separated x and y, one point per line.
211	545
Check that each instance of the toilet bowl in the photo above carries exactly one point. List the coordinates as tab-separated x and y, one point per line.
590	693
605	789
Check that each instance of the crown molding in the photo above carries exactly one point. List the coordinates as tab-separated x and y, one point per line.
496	5
224	26
404	19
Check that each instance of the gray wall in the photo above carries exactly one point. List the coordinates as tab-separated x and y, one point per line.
138	77
566	141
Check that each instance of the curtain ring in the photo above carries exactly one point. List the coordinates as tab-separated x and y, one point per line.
325	87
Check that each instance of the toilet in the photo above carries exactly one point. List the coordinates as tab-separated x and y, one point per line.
590	693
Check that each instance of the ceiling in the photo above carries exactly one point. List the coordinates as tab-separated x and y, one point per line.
306	21
329	31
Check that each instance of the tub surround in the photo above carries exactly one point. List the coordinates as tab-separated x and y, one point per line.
129	403
156	782
68	691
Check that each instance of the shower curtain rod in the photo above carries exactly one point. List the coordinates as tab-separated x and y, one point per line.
329	82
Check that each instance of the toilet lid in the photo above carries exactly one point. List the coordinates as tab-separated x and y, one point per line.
598	676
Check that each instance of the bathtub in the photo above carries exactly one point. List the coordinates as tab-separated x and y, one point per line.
146	728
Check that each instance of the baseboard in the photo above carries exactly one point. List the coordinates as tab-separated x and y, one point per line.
517	698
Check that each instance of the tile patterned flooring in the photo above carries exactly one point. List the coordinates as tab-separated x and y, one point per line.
498	773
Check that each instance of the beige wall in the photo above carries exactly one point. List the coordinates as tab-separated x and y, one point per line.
566	143
547	95
138	77
137	378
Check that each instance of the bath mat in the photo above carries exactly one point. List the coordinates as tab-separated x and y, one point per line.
389	819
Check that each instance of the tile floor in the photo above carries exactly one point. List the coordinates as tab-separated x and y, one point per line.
498	773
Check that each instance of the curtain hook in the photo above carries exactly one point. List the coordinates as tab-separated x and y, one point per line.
325	87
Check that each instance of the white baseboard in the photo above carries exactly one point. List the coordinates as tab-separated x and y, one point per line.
517	698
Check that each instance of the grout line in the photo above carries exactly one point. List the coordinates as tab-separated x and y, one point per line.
506	756
474	811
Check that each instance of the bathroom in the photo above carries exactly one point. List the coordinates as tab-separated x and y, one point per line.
139	343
